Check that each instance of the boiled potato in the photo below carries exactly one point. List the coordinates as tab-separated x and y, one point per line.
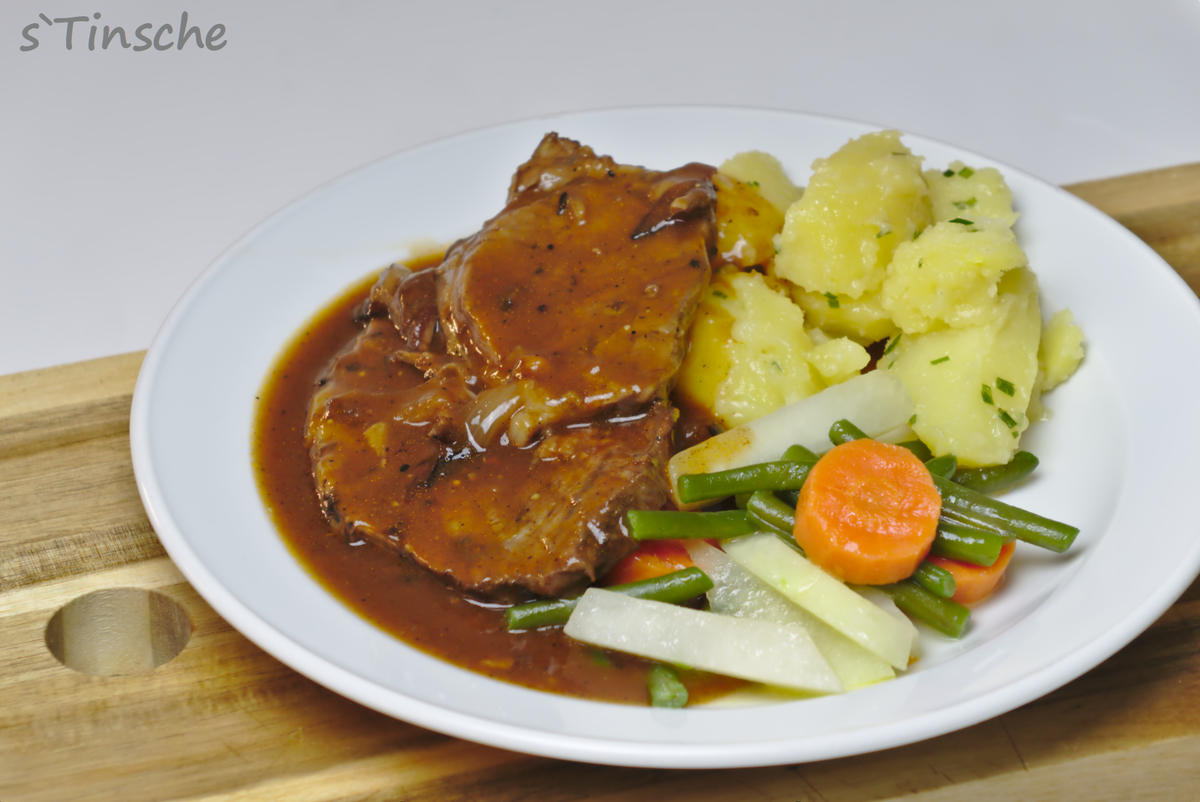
859	204
1061	349
948	276
863	319
751	354
874	249
764	172
972	386
746	223
977	194
707	361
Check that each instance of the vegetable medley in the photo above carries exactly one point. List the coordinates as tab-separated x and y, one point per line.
873	347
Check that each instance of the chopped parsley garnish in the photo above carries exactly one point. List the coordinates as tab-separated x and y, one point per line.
964	204
940	359
891	345
883	232
1005	386
719	294
962	221
913	419
986	393
947	172
833	301
966	172
1009	421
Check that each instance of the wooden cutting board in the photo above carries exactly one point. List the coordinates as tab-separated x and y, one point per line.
223	720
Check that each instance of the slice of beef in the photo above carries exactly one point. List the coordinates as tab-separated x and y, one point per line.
582	287
514	408
393	465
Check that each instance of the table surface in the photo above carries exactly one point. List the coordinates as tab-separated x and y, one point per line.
225	721
123	174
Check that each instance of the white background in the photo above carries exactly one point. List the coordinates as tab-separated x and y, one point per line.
123	174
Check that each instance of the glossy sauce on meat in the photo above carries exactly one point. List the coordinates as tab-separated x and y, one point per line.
390	591
470	432
500	411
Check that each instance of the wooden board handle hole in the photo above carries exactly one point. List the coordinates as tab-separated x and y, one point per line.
118	631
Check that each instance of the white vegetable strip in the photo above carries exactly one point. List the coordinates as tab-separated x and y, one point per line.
738	592
884	602
876	402
805	584
760	651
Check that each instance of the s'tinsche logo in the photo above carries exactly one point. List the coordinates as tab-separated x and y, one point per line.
70	31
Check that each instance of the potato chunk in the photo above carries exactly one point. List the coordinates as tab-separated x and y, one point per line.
746	223
860	203
764	172
948	276
1061	350
706	363
977	194
863	319
972	386
750	352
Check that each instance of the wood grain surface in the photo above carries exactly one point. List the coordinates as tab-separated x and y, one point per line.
224	721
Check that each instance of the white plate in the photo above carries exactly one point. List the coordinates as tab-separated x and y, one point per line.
1119	457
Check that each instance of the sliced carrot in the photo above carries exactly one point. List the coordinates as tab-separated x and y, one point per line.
653	558
973	583
868	512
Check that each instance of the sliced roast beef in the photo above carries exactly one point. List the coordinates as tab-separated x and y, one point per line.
501	411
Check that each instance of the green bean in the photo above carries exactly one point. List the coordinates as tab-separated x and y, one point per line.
918	448
843	431
780	475
966	543
943	466
769	510
972	506
997	477
665	687
799	453
676	587
935	579
789	497
946	616
671	524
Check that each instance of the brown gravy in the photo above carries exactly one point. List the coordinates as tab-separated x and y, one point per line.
392	592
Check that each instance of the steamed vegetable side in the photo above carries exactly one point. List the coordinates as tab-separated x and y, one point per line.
807	569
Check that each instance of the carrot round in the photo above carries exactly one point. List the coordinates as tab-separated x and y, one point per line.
973	583
652	559
868	512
